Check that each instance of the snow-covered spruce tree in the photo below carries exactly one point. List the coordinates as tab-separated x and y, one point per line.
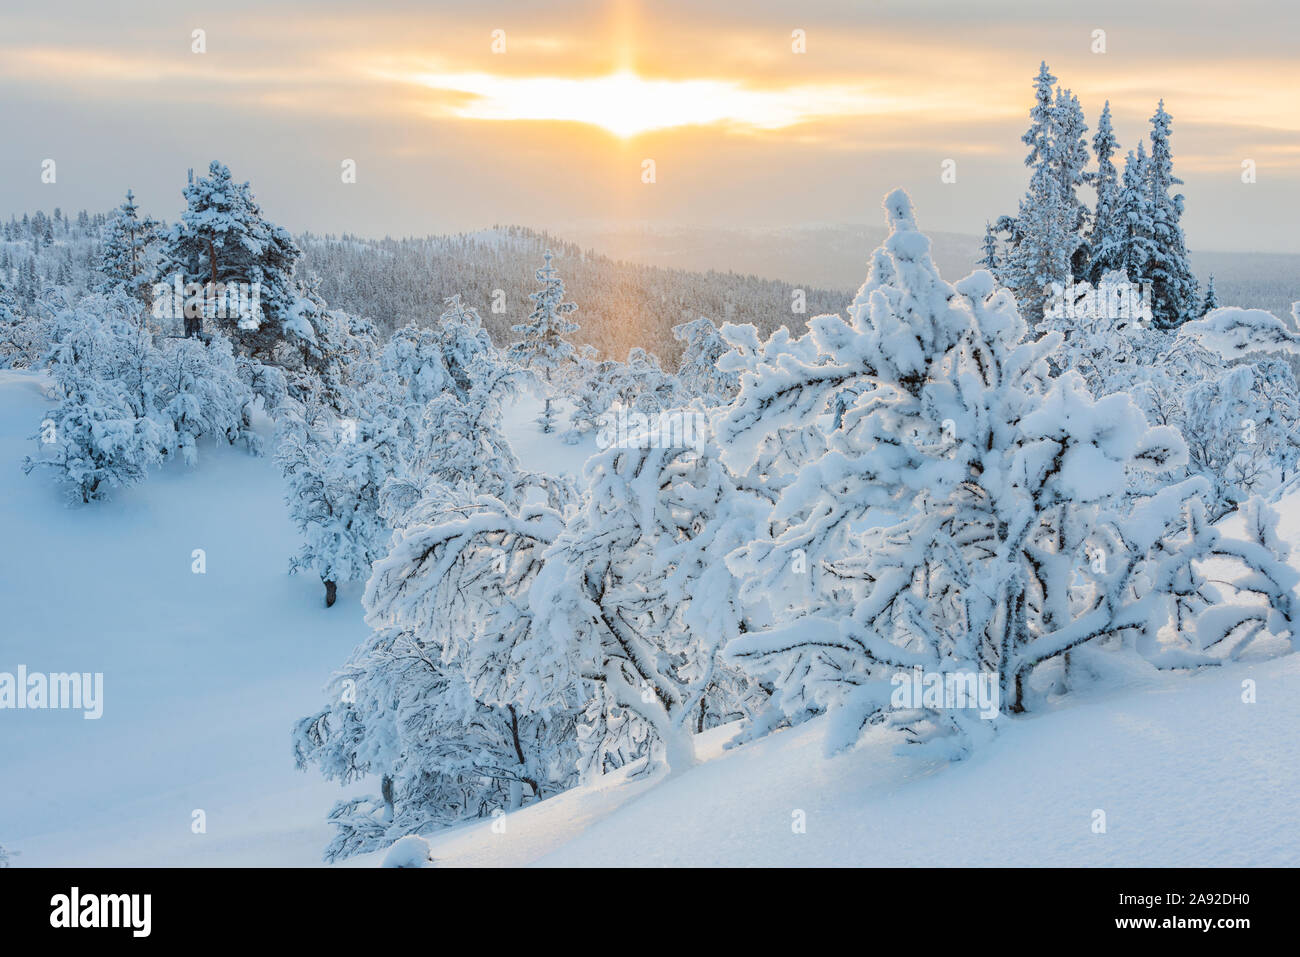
223	240
542	347
990	260
127	259
101	434
1045	241
1068	159
456	447
1138	251
698	372
1106	233
954	521
465	344
1174	292
21	339
1211	301
335	471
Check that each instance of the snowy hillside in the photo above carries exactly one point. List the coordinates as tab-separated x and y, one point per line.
205	675
1183	769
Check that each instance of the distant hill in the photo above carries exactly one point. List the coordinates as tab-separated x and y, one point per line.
835	257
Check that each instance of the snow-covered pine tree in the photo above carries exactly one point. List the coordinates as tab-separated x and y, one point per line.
20	338
643	385
1068	158
542	347
1106	234
432	696
101	434
954	522
1211	298
1137	229
223	239
594	392
129	250
335	472
698	371
1174	292
1040	244
1045	238
990	260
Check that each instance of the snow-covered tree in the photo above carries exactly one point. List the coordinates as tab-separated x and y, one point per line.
635	597
973	514
1106	234
200	393
1106	333
1241	421
542	347
1068	159
990	260
594	392
1174	292
1045	241
1138	245
400	714
22	343
336	470
1211	301
223	241
698	371
129	250
643	385
101	434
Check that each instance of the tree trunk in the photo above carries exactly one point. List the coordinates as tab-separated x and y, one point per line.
331	592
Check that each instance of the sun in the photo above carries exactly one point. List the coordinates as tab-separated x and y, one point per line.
623	103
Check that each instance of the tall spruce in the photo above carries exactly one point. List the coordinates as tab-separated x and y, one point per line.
129	245
542	347
1106	234
1045	243
1174	291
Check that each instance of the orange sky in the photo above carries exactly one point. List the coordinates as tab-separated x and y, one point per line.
450	132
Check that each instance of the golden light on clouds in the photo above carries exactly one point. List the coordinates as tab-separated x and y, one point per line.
627	104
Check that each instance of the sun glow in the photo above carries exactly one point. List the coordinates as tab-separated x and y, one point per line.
627	104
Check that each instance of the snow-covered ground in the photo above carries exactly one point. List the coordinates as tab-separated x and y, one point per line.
205	675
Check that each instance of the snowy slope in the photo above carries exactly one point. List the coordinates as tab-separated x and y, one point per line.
205	675
1186	773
